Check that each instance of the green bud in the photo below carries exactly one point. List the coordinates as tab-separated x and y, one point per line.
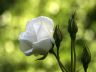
86	57
72	26
57	36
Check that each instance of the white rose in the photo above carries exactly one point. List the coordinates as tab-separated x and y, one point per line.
38	37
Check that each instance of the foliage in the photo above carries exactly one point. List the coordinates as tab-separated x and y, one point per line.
14	15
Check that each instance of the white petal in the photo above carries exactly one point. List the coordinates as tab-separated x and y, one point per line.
26	47
42	47
35	24
30	26
28	36
47	22
43	33
28	52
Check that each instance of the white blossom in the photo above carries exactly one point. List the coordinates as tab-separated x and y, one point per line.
38	37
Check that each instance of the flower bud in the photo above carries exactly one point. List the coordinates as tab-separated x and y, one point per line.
86	57
57	36
72	26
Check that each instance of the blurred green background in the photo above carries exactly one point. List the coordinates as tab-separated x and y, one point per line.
14	15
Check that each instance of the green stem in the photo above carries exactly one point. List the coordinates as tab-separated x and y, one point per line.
73	56
58	58
72	66
85	70
63	67
58	62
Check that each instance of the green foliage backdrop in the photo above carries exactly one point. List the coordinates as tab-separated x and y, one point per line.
14	15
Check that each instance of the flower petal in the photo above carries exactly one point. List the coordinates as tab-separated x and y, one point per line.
28	52
28	36
43	33
30	26
36	23
42	47
26	47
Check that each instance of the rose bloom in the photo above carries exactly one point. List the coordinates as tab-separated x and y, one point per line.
38	37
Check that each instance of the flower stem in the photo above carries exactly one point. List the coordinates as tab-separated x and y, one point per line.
73	56
85	70
58	61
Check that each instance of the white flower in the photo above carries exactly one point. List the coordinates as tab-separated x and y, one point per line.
38	37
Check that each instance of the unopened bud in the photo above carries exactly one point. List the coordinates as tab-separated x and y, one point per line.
72	26
86	57
57	36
